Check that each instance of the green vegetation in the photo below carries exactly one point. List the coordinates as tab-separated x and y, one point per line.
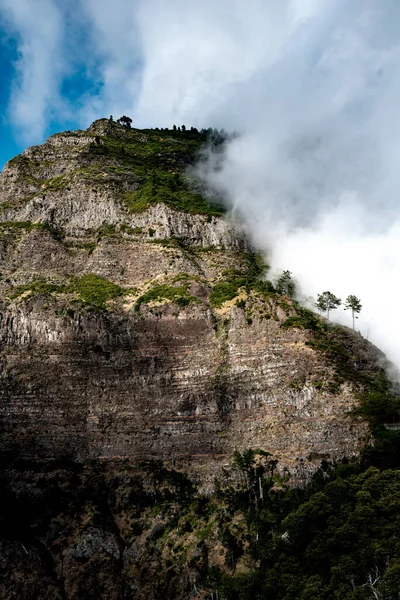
158	161
143	167
304	319
130	230
25	225
56	183
234	280
149	148
172	189
327	302
338	538
92	290
354	304
357	362
37	287
285	284
95	290
178	294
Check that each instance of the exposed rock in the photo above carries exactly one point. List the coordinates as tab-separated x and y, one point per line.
153	371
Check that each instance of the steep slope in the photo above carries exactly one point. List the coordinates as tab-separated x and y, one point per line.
111	343
141	346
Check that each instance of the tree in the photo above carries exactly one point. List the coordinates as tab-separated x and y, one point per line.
285	284
327	302
183	127
174	128
353	303
125	121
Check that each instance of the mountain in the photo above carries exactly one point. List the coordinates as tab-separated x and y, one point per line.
148	365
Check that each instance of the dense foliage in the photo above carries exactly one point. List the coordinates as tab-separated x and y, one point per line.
340	538
159	160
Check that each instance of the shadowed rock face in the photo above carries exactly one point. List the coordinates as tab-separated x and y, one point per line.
155	369
166	385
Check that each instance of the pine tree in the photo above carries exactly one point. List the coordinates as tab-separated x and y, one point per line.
354	304
286	285
125	121
327	302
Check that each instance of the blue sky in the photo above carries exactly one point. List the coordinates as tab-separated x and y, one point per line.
12	141
8	55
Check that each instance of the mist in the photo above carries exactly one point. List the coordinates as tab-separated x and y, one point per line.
315	170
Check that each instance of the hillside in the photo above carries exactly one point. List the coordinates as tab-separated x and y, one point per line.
156	389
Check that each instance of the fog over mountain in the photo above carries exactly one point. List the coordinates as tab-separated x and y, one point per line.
312	87
313	92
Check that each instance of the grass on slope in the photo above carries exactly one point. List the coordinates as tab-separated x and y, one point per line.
92	289
159	161
95	290
178	294
355	361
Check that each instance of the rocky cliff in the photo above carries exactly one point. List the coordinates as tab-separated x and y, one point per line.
137	325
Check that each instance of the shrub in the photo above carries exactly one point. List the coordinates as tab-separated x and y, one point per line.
95	290
37	287
234	280
178	294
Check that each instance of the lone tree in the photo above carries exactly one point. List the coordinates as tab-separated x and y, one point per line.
285	284
125	121
327	302
353	303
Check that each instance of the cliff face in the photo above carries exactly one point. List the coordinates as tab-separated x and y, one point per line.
162	378
134	325
166	385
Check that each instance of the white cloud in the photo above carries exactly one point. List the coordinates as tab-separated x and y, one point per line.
314	89
39	28
115	42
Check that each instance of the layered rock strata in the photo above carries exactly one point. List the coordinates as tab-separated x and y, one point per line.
160	379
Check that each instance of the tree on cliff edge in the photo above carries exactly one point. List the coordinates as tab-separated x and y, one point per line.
327	302
354	304
285	284
125	121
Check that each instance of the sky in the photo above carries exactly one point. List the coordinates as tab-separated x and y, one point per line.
312	86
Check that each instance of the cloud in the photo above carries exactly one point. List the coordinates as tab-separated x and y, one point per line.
76	62
314	91
39	29
315	173
114	40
